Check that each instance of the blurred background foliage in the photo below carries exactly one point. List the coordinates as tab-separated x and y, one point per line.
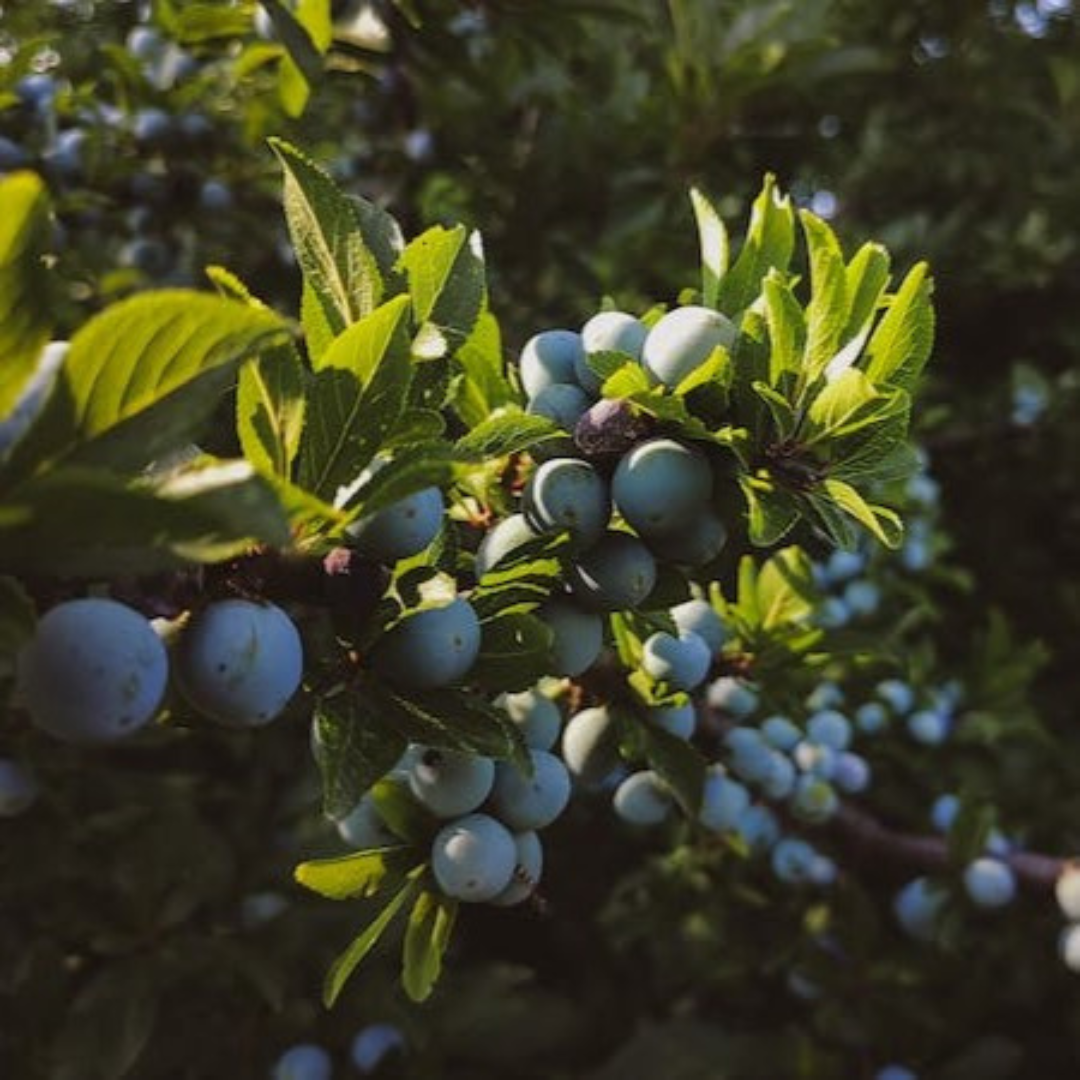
568	132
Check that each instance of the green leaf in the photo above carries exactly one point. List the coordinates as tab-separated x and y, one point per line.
786	324
451	719
355	399
403	815
901	344
427	937
110	1022
783	415
827	312
485	387
17	616
508	431
347	962
846	405
270	410
409	471
882	522
354	747
301	36
26	308
678	764
713	239
445	272
866	276
772	512
337	264
141	378
969	832
785	589
363	873
204	515
515	652
523	580
197	23
770	242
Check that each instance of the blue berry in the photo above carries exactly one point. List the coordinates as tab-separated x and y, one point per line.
990	883
304	1061
643	799
473	858
373	1044
682	340
830	728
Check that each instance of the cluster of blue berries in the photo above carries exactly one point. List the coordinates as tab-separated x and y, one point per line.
487	848
372	1045
97	670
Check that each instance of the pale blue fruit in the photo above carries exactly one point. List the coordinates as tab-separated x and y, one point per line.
814	799
402	529
830	728
826	695
18	788
701	617
862	597
682	662
1067	891
529	865
792	859
567	493
579	636
531	802
94	671
990	883
928	726
852	773
609	331
561	402
895	1072
758	827
751	755
373	1044
815	759
643	799
723	802
678	720
699	542
780	733
615	574
1069	946
537	717
240	662
897	695
871	717
548	358
303	1062
363	827
449	783
682	340
431	648
779	780
661	486
590	744
473	858
733	696
502	540
917	907
943	813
